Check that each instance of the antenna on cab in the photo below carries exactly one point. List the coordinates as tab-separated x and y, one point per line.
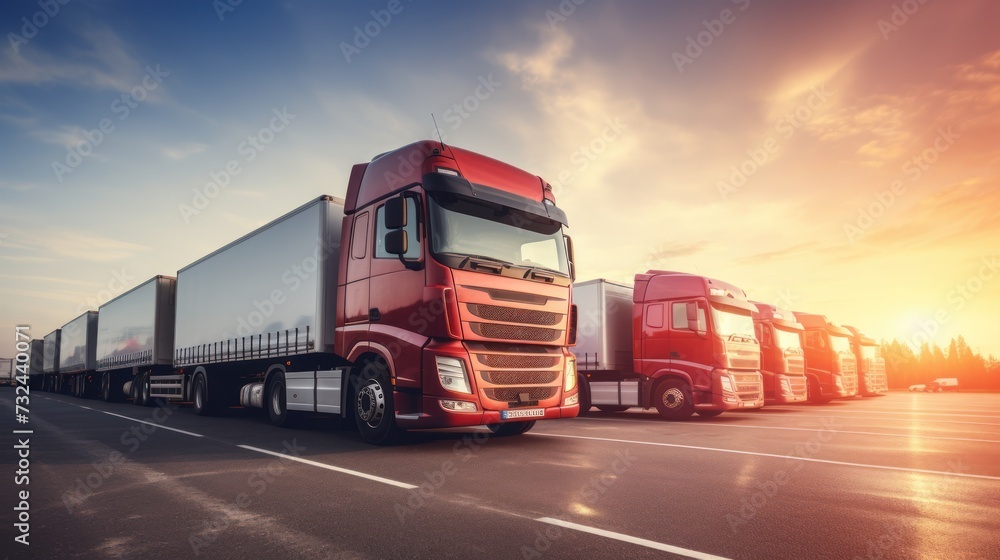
440	138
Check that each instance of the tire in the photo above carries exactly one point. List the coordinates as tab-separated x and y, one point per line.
511	428
709	413
136	390
277	408
673	400
815	394
374	408
609	409
203	403
584	392
147	400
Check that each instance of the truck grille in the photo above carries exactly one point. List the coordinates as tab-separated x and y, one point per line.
514	315
519	377
744	363
798	384
796	366
513	394
748	387
514	332
507	361
849	367
851	384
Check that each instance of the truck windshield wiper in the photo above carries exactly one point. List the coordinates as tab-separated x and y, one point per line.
480	261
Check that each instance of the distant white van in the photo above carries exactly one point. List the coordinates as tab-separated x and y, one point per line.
943	384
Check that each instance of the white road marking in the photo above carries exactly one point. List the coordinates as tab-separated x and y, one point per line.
154	424
388	481
773	455
839	431
630	539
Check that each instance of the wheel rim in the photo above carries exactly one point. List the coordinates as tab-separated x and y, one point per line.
371	404
276	404
673	398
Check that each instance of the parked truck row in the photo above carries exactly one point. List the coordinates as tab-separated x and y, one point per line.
439	293
683	343
436	294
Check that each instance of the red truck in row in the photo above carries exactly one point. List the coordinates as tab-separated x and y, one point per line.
678	342
782	359
831	367
435	294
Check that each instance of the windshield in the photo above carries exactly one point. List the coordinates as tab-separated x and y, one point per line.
728	323
868	352
788	341
464	227
840	344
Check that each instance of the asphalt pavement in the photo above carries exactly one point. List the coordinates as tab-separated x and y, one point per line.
906	475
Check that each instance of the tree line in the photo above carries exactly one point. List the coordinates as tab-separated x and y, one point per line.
905	367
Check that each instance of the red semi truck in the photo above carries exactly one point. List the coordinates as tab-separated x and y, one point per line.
830	363
872	378
678	342
437	294
782	360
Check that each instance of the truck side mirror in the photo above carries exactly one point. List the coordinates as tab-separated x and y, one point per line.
396	242
693	319
395	213
571	256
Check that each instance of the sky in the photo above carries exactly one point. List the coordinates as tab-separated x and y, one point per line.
837	157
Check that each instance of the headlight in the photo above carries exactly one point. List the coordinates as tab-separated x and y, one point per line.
570	375
727	384
839	381
451	372
786	386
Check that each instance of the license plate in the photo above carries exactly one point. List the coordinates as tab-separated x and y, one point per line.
523	413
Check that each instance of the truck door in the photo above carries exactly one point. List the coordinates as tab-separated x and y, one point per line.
690	342
396	300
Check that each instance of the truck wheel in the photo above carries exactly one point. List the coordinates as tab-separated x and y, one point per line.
277	408
673	400
374	410
106	387
815	394
584	392
709	413
608	408
510	428
203	405
137	390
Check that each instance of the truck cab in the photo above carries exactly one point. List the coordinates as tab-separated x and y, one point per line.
872	378
782	358
831	367
453	298
695	336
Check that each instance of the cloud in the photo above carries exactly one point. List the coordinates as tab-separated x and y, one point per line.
184	151
62	244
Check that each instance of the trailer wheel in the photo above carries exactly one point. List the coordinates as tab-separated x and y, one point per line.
374	410
106	387
203	405
510	428
709	413
136	390
673	399
277	407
